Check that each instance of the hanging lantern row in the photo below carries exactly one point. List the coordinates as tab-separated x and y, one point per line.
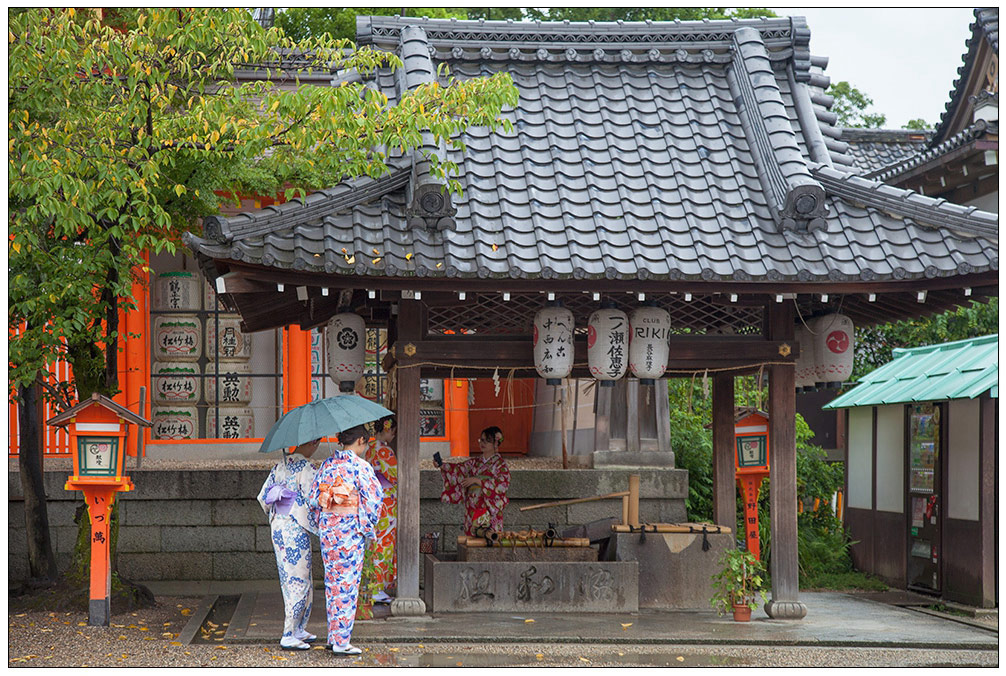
616	343
827	345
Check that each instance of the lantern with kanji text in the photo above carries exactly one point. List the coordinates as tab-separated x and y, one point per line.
553	343
752	457
347	343
607	344
649	336
98	430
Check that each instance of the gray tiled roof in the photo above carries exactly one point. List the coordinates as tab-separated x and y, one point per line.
985	28
874	149
699	154
894	169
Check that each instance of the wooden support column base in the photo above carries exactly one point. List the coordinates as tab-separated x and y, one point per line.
408	607
785	610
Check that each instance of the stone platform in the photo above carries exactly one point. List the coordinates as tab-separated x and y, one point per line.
490	554
530	586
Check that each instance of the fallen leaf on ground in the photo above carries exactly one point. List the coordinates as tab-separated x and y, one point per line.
186	611
528	621
458	664
679	658
175	643
584	659
540	656
626	626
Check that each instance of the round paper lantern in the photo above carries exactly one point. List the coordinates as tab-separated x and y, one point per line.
347	339
649	333
834	343
804	368
608	344
177	290
553	343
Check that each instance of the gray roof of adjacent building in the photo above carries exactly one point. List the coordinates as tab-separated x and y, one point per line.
874	149
669	151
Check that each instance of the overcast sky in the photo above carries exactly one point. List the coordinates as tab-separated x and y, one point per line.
905	59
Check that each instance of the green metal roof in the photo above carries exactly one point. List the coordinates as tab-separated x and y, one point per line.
962	369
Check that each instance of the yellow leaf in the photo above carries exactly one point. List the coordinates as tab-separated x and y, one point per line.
528	621
275	105
495	247
350	259
186	611
540	656
375	261
179	189
175	643
439	264
408	256
584	659
679	658
377	252
626	626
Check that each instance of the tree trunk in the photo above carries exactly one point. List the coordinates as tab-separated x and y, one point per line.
41	560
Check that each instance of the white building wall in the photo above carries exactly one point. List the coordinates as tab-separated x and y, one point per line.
860	460
891	458
962	460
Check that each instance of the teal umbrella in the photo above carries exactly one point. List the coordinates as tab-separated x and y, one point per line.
322	418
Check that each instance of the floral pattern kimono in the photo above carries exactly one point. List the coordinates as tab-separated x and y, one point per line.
382	548
283	498
346	497
482	507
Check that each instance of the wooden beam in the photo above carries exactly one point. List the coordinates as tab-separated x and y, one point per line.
785	603
724	468
408	601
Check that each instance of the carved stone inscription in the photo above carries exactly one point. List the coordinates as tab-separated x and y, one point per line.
597	584
528	585
474	586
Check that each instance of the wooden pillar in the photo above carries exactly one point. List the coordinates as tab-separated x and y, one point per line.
724	468
988	522
456	398
785	603
409	330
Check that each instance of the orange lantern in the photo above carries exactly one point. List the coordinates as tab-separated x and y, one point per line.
752	457
98	428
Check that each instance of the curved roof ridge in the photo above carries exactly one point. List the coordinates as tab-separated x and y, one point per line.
986	24
927	211
894	169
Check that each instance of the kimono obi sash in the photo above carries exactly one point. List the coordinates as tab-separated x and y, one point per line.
338	498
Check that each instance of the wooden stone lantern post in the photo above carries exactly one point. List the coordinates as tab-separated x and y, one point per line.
98	428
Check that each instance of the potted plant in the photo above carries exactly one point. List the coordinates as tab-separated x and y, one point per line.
738	583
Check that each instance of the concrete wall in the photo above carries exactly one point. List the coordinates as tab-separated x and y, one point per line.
207	525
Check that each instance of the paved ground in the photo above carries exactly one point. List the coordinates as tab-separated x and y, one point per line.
238	625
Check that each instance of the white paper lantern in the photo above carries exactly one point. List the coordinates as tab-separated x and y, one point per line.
175	382
608	344
177	290
834	344
234	379
649	333
804	367
178	338
232	343
346	346
553	343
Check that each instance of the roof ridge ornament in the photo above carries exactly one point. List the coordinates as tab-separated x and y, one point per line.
796	199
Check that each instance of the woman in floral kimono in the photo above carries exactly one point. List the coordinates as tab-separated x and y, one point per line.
284	500
480	483
379	578
346	496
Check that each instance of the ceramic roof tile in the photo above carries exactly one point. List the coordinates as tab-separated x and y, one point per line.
626	169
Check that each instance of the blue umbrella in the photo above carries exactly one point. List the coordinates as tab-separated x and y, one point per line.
322	418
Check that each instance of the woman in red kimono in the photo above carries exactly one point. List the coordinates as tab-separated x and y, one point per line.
479	483
379	579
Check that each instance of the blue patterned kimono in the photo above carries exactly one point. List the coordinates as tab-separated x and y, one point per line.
346	500
284	499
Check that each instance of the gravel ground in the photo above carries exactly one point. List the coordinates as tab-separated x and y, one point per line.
149	638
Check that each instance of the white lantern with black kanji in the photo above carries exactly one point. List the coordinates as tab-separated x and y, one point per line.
649	333
804	367
608	344
346	347
553	343
834	343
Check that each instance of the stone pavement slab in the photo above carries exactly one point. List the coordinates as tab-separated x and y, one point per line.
833	619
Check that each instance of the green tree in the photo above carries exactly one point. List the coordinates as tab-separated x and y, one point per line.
300	23
850	106
644	13
917	123
120	136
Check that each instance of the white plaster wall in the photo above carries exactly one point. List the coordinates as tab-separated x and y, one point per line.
988	202
860	462
891	458
962	460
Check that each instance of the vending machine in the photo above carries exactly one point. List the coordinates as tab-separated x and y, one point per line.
924	496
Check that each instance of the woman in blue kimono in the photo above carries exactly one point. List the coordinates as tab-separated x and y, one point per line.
346	498
284	500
